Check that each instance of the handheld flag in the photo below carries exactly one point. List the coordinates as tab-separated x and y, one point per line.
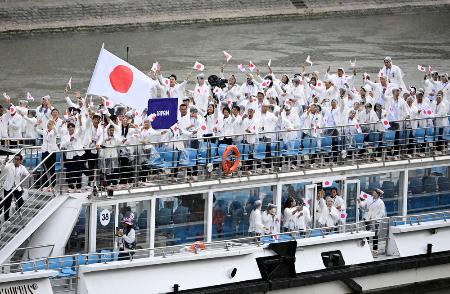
251	66
12	109
269	63
421	68
69	83
430	69
120	81
241	67
152	117
154	67
227	56
327	183
265	84
353	63
308	60
386	124
29	97
6	96
175	130
198	66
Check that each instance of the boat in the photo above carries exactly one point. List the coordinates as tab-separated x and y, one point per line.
192	235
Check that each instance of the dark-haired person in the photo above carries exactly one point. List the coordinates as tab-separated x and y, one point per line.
290	212
13	174
48	148
93	135
72	141
225	127
202	92
173	90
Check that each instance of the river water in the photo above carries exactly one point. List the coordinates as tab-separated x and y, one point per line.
42	63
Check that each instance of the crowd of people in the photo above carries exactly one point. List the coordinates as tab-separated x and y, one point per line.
262	109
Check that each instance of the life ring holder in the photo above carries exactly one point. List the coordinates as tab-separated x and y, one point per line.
198	245
227	166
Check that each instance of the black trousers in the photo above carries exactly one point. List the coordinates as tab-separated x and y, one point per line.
376	227
226	141
6	205
49	164
74	170
91	159
396	127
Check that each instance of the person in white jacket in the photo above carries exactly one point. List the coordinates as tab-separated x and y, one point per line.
109	156
72	142
393	73
303	218
13	174
374	209
440	110
256	226
270	220
202	92
290	212
330	215
15	122
126	238
48	148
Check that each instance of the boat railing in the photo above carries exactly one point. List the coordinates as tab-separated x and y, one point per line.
202	159
67	267
36	198
417	219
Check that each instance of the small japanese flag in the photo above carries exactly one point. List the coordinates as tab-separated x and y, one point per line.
217	90
319	84
251	66
358	128
203	127
421	68
152	117
386	124
199	66
241	67
230	103
166	82
29	97
308	60
137	113
429	112
327	183
364	195
66	114
154	67
365	75
6	96
265	84
12	109
269	63
69	83
227	56
430	69
342	215
175	130
107	103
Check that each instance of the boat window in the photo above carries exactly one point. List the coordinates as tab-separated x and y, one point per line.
106	227
180	219
78	241
428	190
231	211
391	183
140	212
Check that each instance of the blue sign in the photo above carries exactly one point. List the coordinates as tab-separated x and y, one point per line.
166	110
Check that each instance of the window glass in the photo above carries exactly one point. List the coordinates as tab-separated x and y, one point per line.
428	190
140	212
78	241
180	219
106	228
231	211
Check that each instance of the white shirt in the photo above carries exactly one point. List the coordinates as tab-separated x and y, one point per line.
329	217
374	209
13	175
48	140
394	75
255	222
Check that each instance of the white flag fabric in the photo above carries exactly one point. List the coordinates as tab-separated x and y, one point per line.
120	81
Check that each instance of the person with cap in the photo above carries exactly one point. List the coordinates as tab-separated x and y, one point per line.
256	226
202	92
374	210
431	88
270	220
126	240
393	73
440	110
13	174
72	142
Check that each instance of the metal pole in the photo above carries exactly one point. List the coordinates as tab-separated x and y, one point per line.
128	49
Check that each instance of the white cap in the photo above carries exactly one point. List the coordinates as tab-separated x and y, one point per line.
367	88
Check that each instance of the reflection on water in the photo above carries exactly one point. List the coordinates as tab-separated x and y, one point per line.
43	63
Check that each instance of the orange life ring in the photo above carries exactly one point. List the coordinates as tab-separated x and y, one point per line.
227	166
198	244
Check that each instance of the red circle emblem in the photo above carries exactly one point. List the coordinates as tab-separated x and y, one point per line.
121	78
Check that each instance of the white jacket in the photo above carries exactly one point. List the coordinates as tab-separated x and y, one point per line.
256	222
13	175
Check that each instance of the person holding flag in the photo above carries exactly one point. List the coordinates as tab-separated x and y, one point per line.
374	210
202	92
173	89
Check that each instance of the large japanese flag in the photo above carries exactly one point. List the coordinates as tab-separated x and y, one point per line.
120	81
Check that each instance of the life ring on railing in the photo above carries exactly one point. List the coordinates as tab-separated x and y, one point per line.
198	244
227	166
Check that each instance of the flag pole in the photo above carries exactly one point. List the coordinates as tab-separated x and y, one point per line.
128	49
